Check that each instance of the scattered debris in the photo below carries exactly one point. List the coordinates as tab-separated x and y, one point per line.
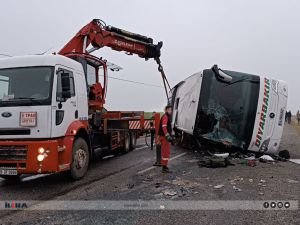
262	181
219	186
252	162
130	186
192	160
249	161
250	158
237	178
162	207
292	181
250	180
222	155
157	185
236	188
178	182
187	173
214	161
184	183
183	192
172	176
148	178
260	193
169	193
265	158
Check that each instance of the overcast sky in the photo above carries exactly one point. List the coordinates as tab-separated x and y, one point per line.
254	36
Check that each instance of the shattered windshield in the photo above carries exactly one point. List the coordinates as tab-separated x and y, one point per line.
227	111
29	86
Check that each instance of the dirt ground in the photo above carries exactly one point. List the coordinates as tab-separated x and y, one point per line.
131	177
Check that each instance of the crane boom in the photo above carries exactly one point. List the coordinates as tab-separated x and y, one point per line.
98	35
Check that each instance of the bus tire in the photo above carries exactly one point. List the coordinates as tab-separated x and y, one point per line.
80	159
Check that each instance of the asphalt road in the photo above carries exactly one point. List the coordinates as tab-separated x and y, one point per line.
131	177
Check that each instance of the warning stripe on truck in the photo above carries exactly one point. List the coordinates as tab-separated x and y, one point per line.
135	124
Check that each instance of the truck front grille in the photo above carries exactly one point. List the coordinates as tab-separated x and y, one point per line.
14	131
13	152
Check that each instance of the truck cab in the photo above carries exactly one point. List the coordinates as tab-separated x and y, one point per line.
43	104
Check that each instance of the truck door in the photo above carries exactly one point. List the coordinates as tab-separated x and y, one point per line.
64	107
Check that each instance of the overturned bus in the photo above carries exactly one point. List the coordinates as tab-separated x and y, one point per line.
230	109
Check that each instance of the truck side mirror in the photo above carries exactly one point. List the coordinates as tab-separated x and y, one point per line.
66	86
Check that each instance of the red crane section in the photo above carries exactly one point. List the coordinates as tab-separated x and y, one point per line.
98	35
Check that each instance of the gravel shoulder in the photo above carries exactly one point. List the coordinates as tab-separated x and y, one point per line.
265	181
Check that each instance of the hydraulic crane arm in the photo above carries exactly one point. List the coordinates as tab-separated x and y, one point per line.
97	34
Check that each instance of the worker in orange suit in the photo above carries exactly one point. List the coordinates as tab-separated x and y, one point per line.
165	131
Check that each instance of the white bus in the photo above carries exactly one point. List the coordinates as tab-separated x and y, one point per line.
231	108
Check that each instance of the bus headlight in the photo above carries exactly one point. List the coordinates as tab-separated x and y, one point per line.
40	158
41	150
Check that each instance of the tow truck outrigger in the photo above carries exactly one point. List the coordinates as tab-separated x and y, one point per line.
52	110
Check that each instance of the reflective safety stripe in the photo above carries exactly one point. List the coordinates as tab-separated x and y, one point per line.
164	125
165	158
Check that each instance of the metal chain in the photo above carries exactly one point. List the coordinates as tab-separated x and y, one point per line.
163	75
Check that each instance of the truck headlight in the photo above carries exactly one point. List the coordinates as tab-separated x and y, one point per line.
40	158
41	150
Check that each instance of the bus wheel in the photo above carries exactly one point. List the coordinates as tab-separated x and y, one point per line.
80	159
132	141
126	147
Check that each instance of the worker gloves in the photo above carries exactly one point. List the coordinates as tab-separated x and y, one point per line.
170	138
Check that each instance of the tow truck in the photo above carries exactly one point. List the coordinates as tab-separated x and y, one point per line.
52	114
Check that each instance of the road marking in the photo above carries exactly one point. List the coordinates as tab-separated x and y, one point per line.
152	167
297	161
33	177
140	148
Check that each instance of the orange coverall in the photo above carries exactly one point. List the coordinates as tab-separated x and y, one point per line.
165	145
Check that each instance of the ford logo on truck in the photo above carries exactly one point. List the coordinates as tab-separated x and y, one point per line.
6	114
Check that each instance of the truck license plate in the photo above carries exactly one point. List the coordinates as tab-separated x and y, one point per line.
8	172
28	119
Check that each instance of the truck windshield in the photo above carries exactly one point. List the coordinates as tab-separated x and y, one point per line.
26	86
227	111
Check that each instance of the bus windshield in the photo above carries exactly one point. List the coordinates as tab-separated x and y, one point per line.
227	111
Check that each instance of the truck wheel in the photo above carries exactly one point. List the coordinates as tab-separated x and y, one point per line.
126	147
132	141
80	159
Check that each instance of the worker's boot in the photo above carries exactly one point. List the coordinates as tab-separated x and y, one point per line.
165	169
157	164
